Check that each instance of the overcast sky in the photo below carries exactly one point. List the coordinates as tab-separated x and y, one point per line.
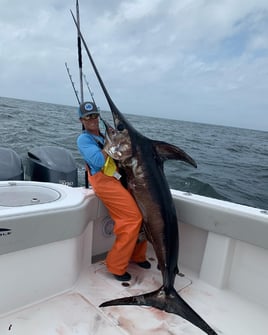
194	60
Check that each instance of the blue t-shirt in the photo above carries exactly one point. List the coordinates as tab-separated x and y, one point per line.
90	150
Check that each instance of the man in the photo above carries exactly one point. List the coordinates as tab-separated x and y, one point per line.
118	201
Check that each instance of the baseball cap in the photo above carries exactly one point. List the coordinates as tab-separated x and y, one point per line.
87	108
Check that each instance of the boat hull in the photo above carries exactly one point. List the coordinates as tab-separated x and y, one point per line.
56	284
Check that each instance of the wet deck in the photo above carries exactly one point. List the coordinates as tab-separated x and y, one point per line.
76	313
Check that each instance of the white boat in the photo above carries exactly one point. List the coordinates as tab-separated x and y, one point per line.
53	239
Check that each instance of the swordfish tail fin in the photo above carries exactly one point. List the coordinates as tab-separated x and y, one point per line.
171	303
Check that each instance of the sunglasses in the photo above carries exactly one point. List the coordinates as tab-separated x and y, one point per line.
90	117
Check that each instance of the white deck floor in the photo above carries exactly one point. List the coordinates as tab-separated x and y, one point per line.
76	313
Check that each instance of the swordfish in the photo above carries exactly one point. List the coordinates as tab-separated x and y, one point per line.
141	160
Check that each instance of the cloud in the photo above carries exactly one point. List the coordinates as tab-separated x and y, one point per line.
195	60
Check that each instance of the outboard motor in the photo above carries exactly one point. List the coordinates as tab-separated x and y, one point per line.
52	164
11	167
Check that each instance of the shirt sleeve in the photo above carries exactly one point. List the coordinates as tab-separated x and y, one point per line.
90	152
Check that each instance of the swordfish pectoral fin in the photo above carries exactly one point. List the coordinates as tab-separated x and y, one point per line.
168	151
171	303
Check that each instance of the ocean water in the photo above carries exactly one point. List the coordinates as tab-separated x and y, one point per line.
232	162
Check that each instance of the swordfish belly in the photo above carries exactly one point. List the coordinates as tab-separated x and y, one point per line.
153	196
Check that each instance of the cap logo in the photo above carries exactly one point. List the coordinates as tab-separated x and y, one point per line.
88	107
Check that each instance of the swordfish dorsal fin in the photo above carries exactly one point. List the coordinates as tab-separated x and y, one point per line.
168	151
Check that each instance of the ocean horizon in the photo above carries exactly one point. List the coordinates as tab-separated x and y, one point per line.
232	162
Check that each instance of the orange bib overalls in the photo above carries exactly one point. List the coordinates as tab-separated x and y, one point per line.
127	218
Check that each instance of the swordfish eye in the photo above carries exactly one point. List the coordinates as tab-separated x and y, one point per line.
120	127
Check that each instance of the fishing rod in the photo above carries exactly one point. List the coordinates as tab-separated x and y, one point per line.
77	97
73	85
71	79
79	49
90	92
80	64
109	100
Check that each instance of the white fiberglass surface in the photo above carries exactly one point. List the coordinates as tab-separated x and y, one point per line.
24	195
77	313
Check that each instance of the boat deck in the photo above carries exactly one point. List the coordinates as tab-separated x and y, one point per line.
76	313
